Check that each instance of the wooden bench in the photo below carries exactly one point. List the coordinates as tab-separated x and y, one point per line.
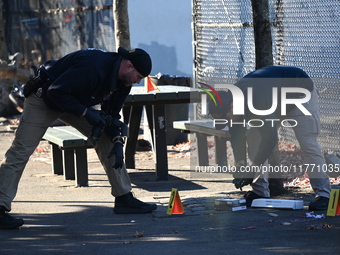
69	153
203	129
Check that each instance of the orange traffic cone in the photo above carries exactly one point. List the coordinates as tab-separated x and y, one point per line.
178	206
150	85
338	209
175	204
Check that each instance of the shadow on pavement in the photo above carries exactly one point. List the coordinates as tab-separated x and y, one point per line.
96	230
147	181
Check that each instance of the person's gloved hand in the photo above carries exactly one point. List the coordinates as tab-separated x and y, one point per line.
241	179
241	182
117	150
95	117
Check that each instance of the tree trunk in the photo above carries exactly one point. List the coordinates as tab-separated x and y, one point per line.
264	57
121	22
3	45
262	34
80	24
122	35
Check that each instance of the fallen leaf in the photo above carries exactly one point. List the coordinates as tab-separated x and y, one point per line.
139	234
312	227
326	225
40	149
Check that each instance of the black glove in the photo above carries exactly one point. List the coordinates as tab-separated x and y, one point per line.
95	117
240	182
118	151
240	179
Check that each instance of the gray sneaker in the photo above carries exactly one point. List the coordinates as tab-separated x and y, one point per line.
7	221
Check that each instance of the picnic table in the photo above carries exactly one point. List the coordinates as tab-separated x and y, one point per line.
69	145
154	103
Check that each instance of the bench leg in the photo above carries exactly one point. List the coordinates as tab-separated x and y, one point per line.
68	160
221	151
57	159
202	149
81	167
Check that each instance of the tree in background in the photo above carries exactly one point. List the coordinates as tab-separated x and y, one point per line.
121	22
3	46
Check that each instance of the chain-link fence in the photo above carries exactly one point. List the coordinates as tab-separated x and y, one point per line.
305	34
44	30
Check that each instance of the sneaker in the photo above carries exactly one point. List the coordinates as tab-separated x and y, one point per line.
7	221
319	204
250	196
128	204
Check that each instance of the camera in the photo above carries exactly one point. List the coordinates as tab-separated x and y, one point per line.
98	129
109	121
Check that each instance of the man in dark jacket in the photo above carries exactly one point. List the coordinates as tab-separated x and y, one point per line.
67	89
263	90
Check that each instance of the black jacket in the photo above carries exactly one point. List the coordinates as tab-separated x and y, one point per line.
262	81
83	79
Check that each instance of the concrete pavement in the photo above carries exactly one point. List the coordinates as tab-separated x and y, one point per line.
62	219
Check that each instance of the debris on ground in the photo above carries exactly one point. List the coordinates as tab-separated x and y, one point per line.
289	155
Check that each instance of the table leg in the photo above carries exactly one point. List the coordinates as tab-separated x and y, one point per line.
202	149
221	151
160	149
131	143
149	116
126	114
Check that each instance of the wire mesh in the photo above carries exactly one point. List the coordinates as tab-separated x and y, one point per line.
305	34
56	28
